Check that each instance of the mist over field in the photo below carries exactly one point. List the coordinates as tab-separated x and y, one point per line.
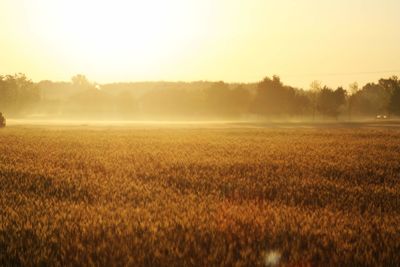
267	100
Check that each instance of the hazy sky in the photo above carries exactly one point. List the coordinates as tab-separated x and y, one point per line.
335	41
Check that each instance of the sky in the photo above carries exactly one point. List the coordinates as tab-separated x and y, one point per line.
336	42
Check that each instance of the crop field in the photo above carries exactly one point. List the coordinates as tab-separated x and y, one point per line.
199	196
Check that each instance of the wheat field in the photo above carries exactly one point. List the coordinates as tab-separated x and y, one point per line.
198	196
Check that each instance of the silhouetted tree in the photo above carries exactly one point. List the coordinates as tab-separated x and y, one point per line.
329	101
371	100
315	89
18	94
393	86
272	98
268	92
352	95
302	104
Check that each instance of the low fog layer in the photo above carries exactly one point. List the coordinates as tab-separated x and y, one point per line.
269	99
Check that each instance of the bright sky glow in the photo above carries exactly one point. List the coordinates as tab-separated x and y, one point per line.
336	42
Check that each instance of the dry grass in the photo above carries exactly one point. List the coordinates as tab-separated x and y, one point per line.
204	197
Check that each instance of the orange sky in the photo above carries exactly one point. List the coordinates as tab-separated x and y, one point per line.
336	42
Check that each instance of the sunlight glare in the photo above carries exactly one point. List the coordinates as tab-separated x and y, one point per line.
123	34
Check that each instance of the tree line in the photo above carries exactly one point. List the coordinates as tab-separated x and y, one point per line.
267	99
18	94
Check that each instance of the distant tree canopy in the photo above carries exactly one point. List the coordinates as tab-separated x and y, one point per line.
221	100
392	87
330	101
18	95
378	98
270	98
